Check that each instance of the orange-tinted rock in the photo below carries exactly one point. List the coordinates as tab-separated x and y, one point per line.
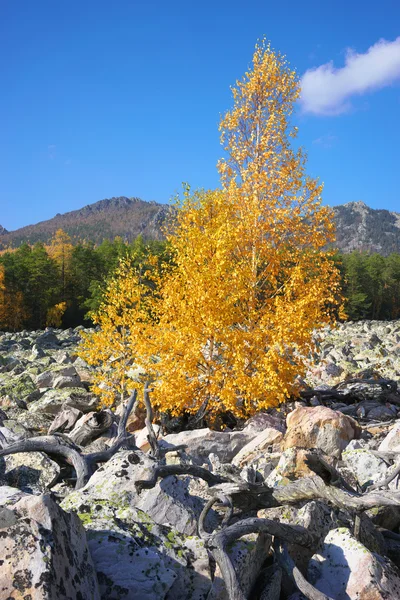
320	427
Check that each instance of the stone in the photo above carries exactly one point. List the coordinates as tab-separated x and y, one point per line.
137	558
257	445
202	442
29	471
20	386
345	570
53	400
292	465
391	443
44	552
168	503
48	378
381	413
320	427
65	420
367	468
48	339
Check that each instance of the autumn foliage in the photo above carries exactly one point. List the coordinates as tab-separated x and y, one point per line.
234	315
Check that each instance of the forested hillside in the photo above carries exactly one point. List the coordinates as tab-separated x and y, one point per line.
103	220
358	227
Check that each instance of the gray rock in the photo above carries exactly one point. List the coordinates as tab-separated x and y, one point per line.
29	471
367	468
202	442
53	400
168	503
137	558
45	554
346	570
65	420
48	379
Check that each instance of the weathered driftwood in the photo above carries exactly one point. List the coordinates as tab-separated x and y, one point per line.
151	436
91	427
286	562
218	542
58	446
62	447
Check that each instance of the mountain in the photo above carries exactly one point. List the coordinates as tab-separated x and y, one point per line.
359	227
106	219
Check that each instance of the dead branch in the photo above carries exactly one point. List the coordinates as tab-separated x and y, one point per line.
166	470
286	562
98	423
61	446
55	445
218	542
224	501
130	406
151	436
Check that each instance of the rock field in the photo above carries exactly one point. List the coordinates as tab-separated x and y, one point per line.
298	502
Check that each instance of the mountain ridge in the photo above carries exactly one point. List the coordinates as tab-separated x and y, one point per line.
358	226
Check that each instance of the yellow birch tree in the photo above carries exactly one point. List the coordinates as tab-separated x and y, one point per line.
233	318
252	279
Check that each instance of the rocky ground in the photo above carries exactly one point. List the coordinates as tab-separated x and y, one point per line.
301	502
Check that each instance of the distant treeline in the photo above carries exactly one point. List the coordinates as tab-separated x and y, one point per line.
59	284
371	285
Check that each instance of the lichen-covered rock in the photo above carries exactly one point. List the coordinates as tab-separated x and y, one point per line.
20	386
366	467
320	427
54	400
168	503
346	570
28	471
138	559
44	552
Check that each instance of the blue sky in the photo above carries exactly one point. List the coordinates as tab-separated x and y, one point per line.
103	98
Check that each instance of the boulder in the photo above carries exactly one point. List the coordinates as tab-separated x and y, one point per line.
54	377
168	503
136	558
320	427
53	401
29	471
202	442
65	420
257	446
345	570
44	552
366	467
391	443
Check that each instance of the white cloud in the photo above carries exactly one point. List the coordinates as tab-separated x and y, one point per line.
326	141
327	90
